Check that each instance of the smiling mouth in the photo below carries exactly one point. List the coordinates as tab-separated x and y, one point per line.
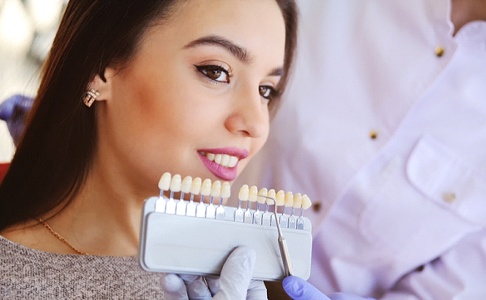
224	160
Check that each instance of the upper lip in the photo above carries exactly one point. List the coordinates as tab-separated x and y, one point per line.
238	152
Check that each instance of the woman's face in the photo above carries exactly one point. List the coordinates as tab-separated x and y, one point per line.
194	99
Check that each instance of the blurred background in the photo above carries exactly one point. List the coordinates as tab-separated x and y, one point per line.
27	28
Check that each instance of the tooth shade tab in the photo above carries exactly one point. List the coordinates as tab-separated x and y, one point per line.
297	200
226	190
196	186
271	194
306	202
206	187
289	199
216	188
253	193
164	182
175	183
186	184
262	196
244	193
280	197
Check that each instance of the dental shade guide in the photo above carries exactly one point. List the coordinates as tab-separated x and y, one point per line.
174	229
195	190
306	203
282	243
225	194
243	196
175	187
205	191
164	185
185	189
261	199
252	198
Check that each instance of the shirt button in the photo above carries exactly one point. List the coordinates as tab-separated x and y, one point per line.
449	197
439	51
373	134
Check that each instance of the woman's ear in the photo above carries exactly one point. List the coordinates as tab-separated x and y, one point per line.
102	84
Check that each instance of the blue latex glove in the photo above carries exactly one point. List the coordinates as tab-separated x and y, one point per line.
234	283
299	289
13	111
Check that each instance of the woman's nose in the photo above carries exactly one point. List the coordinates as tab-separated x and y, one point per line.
250	116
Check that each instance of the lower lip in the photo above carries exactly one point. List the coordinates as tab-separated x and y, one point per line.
227	174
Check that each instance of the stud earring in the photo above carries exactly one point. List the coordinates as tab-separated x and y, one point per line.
90	97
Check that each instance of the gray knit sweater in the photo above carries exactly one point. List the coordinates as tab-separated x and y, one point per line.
31	274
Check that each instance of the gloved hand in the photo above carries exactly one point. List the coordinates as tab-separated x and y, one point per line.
13	111
299	289
234	283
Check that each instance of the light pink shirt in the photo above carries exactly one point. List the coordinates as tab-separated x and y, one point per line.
403	214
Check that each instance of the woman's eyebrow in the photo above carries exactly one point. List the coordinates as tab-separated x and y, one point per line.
276	72
239	52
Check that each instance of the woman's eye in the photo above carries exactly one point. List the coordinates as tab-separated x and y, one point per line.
216	73
267	92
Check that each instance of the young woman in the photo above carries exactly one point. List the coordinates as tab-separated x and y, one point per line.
132	89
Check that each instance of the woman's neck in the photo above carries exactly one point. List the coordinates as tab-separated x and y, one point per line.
465	11
104	219
101	220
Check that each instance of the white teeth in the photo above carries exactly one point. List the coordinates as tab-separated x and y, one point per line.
225	160
232	161
228	161
210	156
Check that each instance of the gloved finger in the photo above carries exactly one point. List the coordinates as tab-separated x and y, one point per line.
16	104
174	287
213	284
14	110
256	290
344	296
299	289
236	274
7	107
196	287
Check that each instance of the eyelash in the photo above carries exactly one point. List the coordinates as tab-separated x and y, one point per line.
272	92
206	69
266	91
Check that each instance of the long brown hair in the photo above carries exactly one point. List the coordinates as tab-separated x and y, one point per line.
55	153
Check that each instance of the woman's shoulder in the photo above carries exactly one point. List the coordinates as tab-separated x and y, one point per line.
32	272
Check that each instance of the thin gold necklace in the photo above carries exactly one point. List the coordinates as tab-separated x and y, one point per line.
59	237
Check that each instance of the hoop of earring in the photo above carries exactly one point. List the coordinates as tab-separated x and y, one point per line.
90	97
